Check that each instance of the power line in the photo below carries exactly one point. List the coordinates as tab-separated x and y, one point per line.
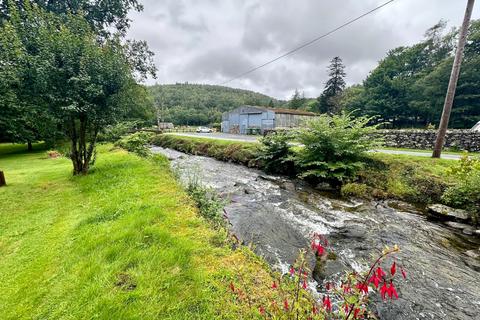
307	43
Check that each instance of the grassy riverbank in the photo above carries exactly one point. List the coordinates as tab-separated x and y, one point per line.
124	242
404	177
245	153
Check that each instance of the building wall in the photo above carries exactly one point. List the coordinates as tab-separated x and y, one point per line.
240	120
284	120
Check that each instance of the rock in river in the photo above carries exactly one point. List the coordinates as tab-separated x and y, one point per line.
447	212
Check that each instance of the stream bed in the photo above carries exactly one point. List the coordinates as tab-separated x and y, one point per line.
278	216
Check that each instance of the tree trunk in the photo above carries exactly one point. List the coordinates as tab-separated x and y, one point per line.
82	153
452	85
2	179
29	146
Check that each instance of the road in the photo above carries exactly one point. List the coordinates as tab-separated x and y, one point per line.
245	138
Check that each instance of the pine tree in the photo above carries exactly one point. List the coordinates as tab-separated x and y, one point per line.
328	102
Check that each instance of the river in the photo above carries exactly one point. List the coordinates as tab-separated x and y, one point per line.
278	216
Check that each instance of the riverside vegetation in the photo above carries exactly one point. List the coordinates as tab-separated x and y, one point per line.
332	153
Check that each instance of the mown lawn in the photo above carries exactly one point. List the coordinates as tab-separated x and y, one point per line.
123	242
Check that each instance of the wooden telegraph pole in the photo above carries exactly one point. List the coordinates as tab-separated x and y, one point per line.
452	85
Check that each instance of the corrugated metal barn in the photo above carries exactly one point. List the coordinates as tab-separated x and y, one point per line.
253	119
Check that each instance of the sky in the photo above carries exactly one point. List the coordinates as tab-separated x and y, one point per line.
211	41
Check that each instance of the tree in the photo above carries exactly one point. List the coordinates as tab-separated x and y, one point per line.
79	79
329	100
23	119
99	13
297	100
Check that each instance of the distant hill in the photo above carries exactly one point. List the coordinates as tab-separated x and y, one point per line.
200	104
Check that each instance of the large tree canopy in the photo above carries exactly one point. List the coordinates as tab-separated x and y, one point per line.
60	68
99	13
408	86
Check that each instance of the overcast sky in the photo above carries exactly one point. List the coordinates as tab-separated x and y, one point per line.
210	41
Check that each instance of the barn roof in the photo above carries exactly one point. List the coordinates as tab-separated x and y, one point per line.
292	111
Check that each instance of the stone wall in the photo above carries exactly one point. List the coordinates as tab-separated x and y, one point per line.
425	139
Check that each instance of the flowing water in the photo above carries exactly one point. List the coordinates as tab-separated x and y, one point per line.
279	216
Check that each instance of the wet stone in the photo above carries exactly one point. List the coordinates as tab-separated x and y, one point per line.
446	212
475	254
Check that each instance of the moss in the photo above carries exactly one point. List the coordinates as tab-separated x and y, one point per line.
355	190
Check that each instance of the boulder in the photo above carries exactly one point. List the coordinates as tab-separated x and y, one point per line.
466	229
288	185
446	212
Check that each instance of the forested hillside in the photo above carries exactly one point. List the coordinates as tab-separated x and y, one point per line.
198	104
408	86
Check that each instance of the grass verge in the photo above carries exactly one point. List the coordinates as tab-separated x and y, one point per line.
124	242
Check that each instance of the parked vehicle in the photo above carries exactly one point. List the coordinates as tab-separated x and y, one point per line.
476	127
204	130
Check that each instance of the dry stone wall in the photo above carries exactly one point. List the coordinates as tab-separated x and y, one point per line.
424	139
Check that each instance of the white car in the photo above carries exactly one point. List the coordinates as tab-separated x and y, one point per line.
476	127
204	130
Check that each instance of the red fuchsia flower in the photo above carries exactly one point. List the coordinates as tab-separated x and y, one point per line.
274	285
304	285
346	308
380	272
375	280
393	268
285	305
327	304
404	274
292	271
346	288
384	290
232	287
328	286
356	312
261	310
362	287
391	291
314	309
318	244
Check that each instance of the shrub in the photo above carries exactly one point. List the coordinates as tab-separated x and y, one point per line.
209	205
136	143
112	133
334	147
465	193
275	154
348	299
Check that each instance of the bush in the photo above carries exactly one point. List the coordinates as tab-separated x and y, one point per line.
275	154
136	143
209	205
112	133
465	193
334	147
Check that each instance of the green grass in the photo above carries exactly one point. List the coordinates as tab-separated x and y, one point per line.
430	151
217	141
9	148
123	242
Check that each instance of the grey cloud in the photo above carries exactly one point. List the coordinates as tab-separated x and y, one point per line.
211	41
